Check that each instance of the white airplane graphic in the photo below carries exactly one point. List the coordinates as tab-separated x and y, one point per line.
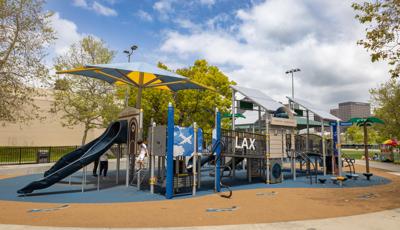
185	139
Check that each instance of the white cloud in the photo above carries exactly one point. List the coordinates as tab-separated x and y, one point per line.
207	2
186	24
164	8
144	15
277	35
66	33
96	7
103	10
80	3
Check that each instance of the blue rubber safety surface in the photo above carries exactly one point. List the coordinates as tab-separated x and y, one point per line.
110	192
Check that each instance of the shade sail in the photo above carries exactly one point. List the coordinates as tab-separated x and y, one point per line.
138	74
258	97
319	112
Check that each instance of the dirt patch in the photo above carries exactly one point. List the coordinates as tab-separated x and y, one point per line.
5	176
245	206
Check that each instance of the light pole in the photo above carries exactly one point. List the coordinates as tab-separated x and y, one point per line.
291	71
129	54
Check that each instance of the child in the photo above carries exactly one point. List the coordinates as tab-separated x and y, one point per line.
142	154
104	163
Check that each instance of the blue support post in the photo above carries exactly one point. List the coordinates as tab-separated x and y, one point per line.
218	152
170	153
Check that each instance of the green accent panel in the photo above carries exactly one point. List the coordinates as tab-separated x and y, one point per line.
246	105
229	115
299	112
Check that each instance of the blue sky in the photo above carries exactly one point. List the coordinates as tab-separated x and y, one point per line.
252	42
142	22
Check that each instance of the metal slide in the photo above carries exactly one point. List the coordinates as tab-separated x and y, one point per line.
203	160
71	157
115	133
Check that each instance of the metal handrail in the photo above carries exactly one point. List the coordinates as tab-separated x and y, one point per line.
308	160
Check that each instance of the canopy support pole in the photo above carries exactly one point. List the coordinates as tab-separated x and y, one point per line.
259	119
339	151
323	146
194	163
308	131
127	96
366	148
139	93
152	159
267	146
333	152
233	110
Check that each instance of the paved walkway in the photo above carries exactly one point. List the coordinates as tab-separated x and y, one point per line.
381	165
388	220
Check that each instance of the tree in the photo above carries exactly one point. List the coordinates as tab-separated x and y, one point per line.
82	100
382	18
386	100
199	106
24	34
190	105
355	135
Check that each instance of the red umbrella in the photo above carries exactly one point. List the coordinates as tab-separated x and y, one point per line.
391	142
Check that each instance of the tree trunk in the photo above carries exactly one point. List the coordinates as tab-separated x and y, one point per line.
85	132
366	148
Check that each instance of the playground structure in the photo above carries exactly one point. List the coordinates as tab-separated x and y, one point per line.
176	159
178	156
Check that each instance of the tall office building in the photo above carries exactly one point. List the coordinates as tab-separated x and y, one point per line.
350	109
334	112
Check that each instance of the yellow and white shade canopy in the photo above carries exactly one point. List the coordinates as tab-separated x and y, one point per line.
137	74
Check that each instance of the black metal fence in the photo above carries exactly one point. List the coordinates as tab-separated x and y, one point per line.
10	155
360	146
31	155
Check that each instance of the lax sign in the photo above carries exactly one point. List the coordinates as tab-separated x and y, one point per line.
247	143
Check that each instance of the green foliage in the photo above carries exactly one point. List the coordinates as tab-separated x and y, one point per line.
190	105
199	106
382	18
355	135
25	33
386	100
82	100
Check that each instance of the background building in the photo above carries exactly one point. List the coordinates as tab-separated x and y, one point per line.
44	132
350	109
334	112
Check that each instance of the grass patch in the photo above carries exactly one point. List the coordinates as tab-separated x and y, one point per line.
358	153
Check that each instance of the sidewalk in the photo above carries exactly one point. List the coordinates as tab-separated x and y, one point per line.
381	165
388	220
